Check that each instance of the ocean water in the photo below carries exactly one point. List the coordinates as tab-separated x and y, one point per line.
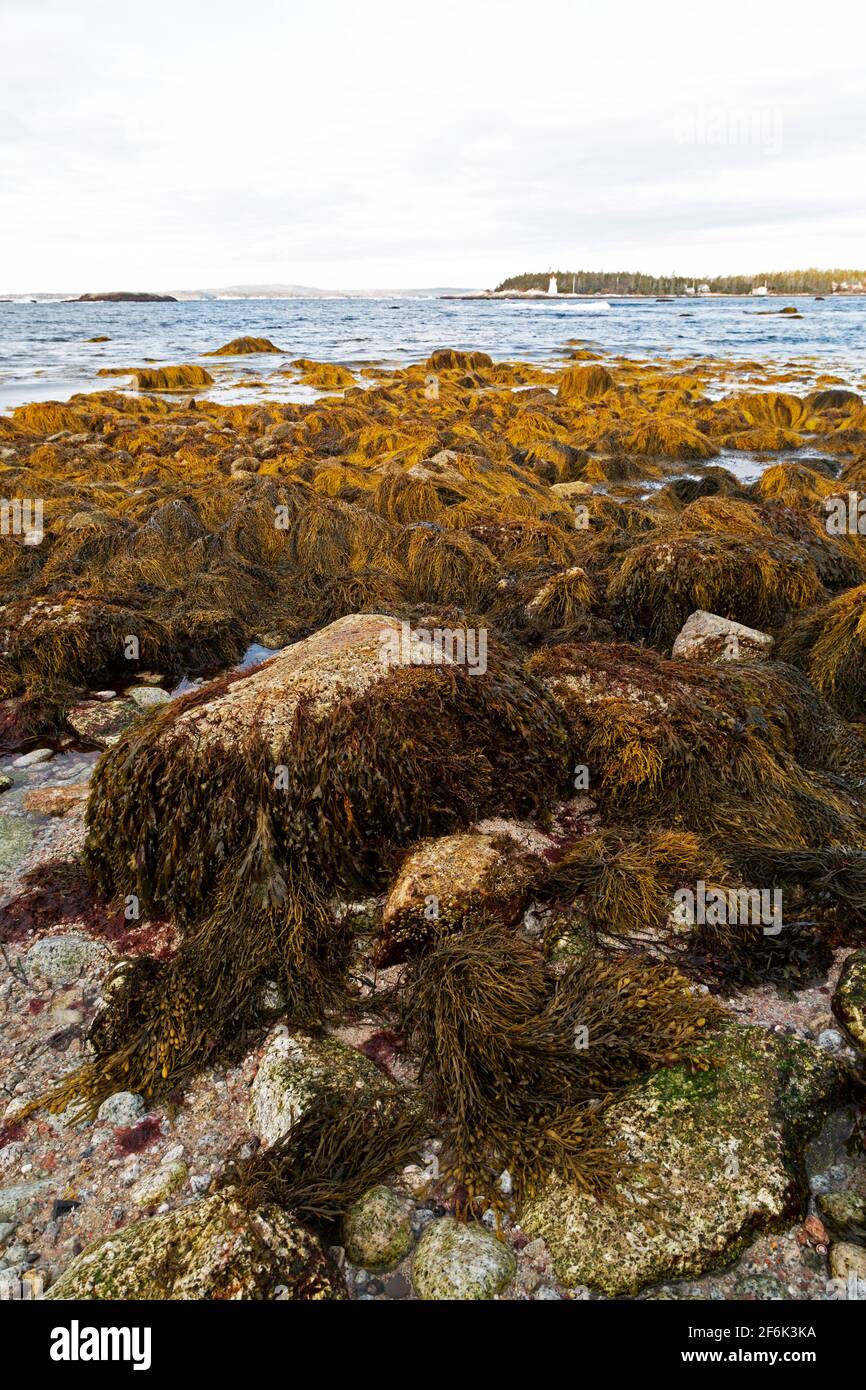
44	354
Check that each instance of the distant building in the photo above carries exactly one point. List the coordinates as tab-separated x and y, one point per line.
552	287
759	289
690	289
703	289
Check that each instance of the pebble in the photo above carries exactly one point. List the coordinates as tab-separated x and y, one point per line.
123	1109
397	1286
36	755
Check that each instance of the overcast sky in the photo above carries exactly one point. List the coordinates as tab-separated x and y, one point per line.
191	143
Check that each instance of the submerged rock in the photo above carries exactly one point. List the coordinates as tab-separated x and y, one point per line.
845	1213
16	837
213	1248
456	1261
714	1157
295	1071
849	999
708	637
102	722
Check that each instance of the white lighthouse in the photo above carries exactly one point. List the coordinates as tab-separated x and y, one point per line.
552	287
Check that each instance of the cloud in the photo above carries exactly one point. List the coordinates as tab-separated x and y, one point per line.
356	145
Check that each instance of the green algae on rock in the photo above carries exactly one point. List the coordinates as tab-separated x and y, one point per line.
214	1248
713	1158
377	1230
849	999
457	1261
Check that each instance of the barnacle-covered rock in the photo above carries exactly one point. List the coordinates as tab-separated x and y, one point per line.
214	1248
709	1158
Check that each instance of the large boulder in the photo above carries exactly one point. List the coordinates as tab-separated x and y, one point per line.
714	1157
332	751
214	1248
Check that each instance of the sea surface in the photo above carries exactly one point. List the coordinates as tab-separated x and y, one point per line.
44	354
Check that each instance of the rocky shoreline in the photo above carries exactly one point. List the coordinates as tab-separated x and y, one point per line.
363	764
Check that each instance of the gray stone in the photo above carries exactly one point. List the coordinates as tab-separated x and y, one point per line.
16	836
122	1109
158	1186
14	1200
148	696
708	637
60	959
36	755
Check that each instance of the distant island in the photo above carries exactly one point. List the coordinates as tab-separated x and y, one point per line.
633	282
123	297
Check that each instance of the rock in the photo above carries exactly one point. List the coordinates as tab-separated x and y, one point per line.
122	1109
568	490
763	1287
847	1260
158	1186
211	1249
456	1261
5	782
16	836
707	637
849	999
830	1040
102	723
715	1160
328	691
7	1228
397	1286
14	1200
443	879
36	755
55	801
60	959
377	1230
845	1214
295	1070
148	696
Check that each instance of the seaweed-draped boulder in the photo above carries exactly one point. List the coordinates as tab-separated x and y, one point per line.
239	808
